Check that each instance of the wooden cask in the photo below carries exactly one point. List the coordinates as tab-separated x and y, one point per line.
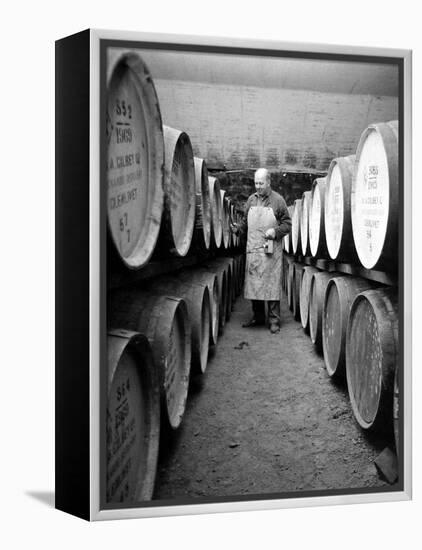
197	300
305	291
339	296
317	240
225	220
304	223
179	194
164	321
202	231
133	418
218	265
297	281
203	277
372	354
290	284
338	220
240	273
216	212
375	197
295	233
229	264
319	283
135	159
288	237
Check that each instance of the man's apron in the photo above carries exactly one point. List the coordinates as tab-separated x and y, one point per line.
263	271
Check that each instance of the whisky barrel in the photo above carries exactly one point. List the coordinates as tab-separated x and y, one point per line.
317	240
216	212
233	219
242	270
164	321
286	262
240	274
297	281
372	353
197	300
319	284
133	418
225	220
375	197
202	231
337	217
296	242
304	223
290	284
179	194
396	411
201	276
305	291
228	263
288	237
339	296
135	159
219	265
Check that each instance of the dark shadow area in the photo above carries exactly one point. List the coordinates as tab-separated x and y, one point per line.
45	497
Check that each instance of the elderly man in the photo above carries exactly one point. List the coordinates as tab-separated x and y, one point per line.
267	221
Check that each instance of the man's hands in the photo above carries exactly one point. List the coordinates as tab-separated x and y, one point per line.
270	234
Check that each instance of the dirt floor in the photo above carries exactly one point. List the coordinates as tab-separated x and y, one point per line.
266	418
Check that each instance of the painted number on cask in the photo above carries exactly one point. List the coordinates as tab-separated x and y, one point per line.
126	163
124	432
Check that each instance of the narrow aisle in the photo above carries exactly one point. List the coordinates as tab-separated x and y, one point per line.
266	418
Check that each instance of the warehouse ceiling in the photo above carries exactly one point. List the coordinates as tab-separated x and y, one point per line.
282	73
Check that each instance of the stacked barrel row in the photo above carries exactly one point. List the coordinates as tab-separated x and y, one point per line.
352	215
161	203
166	329
354	323
160	198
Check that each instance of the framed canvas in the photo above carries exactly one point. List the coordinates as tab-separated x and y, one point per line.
165	403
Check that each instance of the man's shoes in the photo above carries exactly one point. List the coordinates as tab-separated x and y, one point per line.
274	328
253	323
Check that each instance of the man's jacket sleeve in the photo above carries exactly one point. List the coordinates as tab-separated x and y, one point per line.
284	222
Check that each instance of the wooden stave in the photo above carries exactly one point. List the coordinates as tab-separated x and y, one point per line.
136	310
348	288
119	342
386	315
151	229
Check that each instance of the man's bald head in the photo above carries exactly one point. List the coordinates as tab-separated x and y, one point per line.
262	181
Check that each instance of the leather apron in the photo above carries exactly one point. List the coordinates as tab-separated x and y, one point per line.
263	271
